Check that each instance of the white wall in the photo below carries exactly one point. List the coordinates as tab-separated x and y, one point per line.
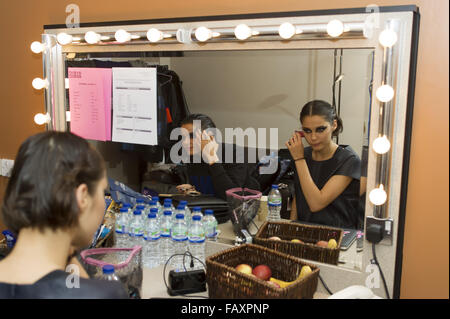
266	89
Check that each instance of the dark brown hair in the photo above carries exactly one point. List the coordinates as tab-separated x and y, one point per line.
47	170
324	109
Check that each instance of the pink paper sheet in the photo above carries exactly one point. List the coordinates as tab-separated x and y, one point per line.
90	102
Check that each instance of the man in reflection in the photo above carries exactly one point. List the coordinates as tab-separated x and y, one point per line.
327	175
207	173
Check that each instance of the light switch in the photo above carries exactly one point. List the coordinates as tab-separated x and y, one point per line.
7	166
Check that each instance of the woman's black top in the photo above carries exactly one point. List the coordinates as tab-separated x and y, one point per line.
54	286
343	211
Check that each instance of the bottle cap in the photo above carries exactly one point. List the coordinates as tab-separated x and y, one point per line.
139	200
126	206
196	217
108	269
137	212
153	203
180	206
167	213
275	186
179	216
141	207
197	209
124	210
183	202
151	215
155	198
168	200
167	205
154	210
209	212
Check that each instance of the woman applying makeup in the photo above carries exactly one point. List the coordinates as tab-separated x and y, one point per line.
327	175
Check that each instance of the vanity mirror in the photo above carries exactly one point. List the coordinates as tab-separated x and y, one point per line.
365	56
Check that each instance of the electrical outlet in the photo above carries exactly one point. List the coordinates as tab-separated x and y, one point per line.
7	166
387	226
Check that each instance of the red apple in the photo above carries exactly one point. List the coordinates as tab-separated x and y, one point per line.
246	269
262	272
322	243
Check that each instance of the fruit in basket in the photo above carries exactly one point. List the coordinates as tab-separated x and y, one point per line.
322	243
305	271
332	243
297	241
262	272
274	238
281	283
246	269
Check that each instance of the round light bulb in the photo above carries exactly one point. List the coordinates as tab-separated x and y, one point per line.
286	30
203	34
37	47
243	32
122	36
64	38
335	28
92	37
378	196
154	35
385	93
39	84
381	145
41	119
388	38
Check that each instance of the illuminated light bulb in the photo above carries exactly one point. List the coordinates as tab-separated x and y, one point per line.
388	38
381	145
92	37
64	38
37	47
385	93
335	28
154	35
122	36
203	34
39	84
287	30
41	119
378	196
243	32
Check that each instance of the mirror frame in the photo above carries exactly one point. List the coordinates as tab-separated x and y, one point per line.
404	66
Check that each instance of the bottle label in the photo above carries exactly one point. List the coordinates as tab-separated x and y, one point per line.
275	203
121	230
197	240
179	238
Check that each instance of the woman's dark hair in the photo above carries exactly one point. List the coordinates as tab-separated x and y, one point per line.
322	108
47	170
206	121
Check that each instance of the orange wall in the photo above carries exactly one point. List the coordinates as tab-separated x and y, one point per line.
425	256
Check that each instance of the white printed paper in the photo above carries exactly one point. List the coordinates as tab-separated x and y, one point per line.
135	106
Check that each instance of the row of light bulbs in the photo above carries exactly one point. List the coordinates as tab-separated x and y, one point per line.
287	30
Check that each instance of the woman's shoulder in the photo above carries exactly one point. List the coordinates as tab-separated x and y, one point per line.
346	152
62	285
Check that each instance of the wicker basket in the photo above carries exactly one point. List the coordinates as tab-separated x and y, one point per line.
309	234
224	281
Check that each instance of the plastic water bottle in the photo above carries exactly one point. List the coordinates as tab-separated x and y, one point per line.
166	247
129	211
187	215
152	235
274	204
169	201
179	241
156	198
197	211
153	204
197	241
136	229
210	225
122	228
108	273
